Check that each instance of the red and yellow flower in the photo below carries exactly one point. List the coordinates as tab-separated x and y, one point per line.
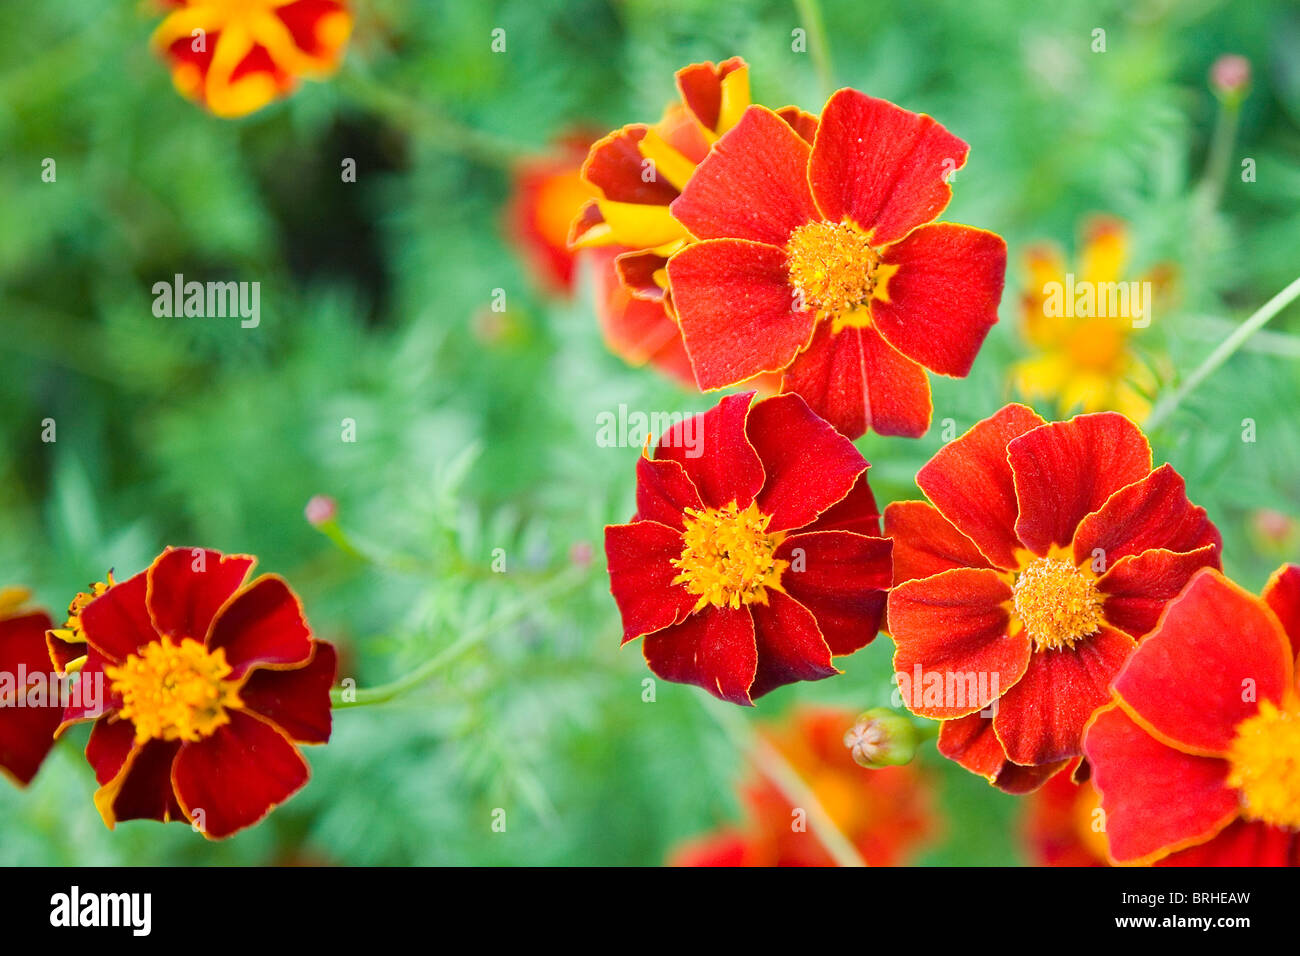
754	556
821	261
210	679
236	56
886	814
1044	553
67	644
1200	750
27	724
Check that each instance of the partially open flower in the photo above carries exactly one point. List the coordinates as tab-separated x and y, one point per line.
210	681
1200	750
754	555
28	714
881	738
236	56
1045	553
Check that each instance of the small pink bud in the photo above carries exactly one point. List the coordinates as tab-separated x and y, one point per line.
581	553
321	509
1230	76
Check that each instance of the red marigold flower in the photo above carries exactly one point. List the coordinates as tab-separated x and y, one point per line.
236	56
209	680
1045	552
1200	749
27	724
886	814
548	192
822	261
1062	826
754	555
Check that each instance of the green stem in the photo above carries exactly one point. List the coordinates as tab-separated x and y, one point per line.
561	583
810	15
773	765
1216	164
1166	405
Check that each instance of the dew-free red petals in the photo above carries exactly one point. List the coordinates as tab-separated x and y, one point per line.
1214	643
145	791
842	578
1152	512
616	167
857	511
187	586
663	492
1241	843
882	166
700	86
296	701
236	776
752	185
262	627
925	542
970	482
639	557
1041	718
944	297
1066	470
790	645
118	622
27	724
714	649
1282	595
727	468
954	625
89	706
1155	798
736	310
111	743
971	742
1137	588
793	445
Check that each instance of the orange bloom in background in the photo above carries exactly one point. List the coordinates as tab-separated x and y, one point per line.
887	814
28	715
1062	825
1197	758
236	56
1044	553
1088	362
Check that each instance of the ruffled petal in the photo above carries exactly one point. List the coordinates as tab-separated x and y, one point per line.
790	645
943	299
639	557
263	626
187	586
615	166
663	492
1138	587
882	166
729	468
842	578
926	543
714	649
1153	512
972	743
296	701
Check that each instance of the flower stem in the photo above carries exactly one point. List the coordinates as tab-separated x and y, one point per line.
773	765
560	584
1166	405
810	15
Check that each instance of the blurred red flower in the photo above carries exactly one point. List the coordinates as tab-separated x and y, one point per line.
547	193
1062	826
28	716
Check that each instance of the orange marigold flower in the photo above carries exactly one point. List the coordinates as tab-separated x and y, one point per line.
209	681
236	56
1044	553
886	814
1200	750
820	260
1063	825
754	555
27	723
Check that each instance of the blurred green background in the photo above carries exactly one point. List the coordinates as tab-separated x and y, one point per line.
474	434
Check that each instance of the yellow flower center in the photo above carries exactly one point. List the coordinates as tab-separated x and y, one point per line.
727	556
175	691
1057	603
1265	761
834	269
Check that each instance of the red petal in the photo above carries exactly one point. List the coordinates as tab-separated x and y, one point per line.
1066	470
736	310
118	622
857	511
1138	587
843	583
1242	843
111	743
752	185
970	482
801	121
262	627
1188	680
1153	512
1041	719
142	789
26	731
636	330
717	454
790	645
700	86
296	701
944	297
663	492
1155	798
237	776
727	848
925	542
91	706
954	625
639	557
1282	594
972	742
714	649
858	382
881	166
809	465
615	166
184	599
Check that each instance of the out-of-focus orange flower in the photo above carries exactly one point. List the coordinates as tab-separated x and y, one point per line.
548	192
1062	824
1080	326
886	814
236	56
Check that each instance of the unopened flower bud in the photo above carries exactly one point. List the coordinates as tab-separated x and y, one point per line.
581	553
321	510
881	738
1230	76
